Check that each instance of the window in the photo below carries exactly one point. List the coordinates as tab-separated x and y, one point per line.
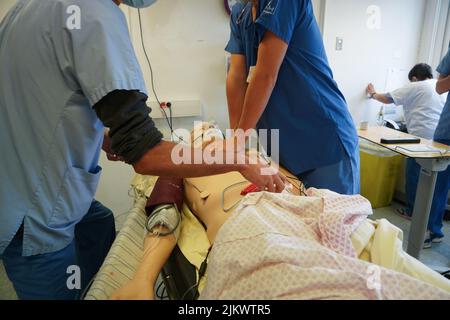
436	32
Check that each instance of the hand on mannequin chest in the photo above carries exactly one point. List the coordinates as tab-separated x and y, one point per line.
214	199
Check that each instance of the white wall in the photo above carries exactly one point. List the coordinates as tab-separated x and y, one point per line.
368	55
186	41
319	11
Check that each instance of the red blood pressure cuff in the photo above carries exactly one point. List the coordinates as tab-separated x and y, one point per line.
166	191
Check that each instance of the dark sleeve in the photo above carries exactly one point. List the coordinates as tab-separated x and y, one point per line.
132	131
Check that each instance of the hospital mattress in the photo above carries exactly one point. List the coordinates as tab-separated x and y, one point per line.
124	257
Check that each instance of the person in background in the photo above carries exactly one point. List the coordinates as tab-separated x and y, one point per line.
61	84
280	78
442	135
421	103
422	106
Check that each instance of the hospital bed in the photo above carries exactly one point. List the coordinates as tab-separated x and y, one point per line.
180	274
124	256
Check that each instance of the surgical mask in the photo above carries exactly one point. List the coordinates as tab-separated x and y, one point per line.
139	3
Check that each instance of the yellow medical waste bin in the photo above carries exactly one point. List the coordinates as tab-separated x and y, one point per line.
379	172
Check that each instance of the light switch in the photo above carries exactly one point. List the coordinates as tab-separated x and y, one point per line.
339	44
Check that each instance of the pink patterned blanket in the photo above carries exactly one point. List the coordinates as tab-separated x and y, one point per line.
288	247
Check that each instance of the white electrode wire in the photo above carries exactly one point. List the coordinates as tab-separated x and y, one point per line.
225	191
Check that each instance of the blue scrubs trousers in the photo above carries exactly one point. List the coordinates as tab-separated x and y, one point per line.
44	277
435	223
342	177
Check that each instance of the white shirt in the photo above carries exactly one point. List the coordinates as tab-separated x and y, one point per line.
422	105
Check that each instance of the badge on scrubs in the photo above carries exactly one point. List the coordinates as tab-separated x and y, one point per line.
251	73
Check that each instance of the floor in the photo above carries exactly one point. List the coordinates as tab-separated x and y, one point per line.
438	256
6	290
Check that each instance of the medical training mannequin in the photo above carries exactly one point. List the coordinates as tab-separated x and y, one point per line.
204	198
220	194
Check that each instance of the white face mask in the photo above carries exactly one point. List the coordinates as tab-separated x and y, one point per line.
139	3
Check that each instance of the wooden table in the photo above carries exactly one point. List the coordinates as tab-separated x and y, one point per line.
431	162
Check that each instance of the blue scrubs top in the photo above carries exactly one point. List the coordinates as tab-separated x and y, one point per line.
52	74
443	130
316	128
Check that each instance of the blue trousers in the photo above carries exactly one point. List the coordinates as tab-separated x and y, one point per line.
45	276
342	177
435	222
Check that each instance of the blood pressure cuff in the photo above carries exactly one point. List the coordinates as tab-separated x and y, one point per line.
132	131
166	191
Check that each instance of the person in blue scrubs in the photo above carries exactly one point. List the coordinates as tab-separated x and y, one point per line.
442	134
68	70
280	78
